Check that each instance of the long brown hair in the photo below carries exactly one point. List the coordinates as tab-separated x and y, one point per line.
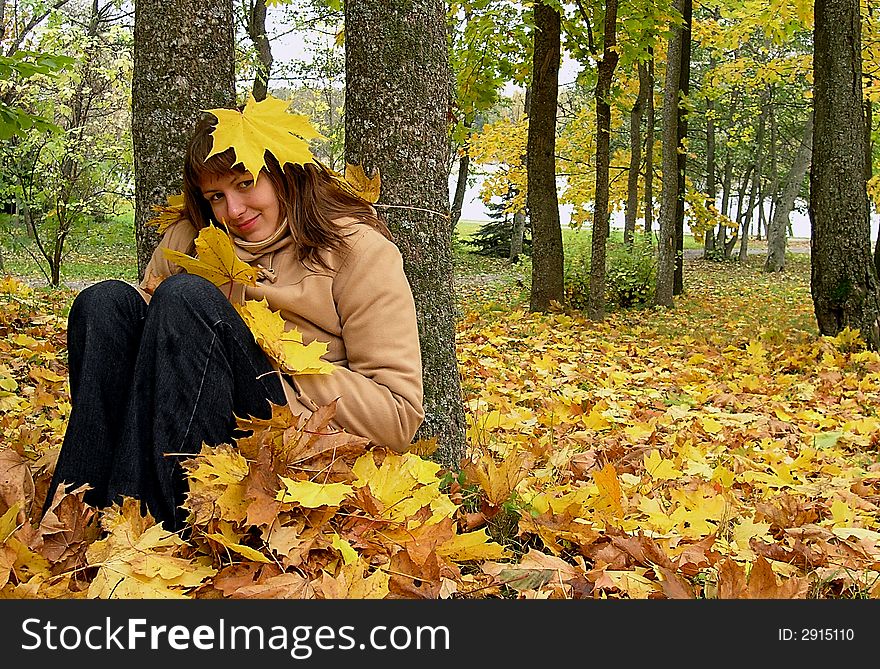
309	195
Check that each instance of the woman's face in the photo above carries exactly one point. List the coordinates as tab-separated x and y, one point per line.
249	209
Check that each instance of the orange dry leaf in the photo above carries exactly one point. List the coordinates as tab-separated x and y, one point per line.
761	582
498	481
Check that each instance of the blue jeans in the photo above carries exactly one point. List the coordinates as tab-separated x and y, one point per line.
150	383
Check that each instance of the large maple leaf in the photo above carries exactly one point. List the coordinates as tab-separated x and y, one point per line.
167	214
263	126
285	347
137	559
216	260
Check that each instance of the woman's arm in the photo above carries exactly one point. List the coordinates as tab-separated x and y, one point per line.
179	237
380	391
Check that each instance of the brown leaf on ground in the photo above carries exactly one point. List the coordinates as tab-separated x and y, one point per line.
16	482
67	528
696	556
761	583
787	511
411	580
647	553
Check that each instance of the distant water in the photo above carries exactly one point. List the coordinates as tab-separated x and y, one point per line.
473	209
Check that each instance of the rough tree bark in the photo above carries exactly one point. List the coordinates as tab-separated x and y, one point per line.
397	99
635	157
669	189
601	222
649	145
193	70
709	239
256	29
519	217
776	234
684	77
843	278
542	198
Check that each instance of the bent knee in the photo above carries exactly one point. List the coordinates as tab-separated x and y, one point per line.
104	298
179	287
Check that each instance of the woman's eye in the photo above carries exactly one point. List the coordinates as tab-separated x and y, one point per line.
246	184
215	197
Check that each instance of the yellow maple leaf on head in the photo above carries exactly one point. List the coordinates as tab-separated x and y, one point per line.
263	126
216	260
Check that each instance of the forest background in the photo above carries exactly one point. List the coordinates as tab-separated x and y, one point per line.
656	408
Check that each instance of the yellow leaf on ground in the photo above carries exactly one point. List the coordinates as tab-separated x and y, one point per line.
659	468
471	546
312	495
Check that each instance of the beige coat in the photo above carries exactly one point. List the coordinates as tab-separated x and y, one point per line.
363	309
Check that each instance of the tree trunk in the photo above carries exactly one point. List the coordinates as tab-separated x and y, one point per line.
516	236
542	198
743	215
843	278
709	240
460	188
684	75
869	172
742	219
257	32
519	217
771	154
635	157
778	224
194	70
649	147
721	234
601	222
669	193
397	99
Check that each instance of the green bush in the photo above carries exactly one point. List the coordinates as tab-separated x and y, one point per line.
629	275
577	272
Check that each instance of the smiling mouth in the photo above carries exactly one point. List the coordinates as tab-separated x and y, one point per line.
248	223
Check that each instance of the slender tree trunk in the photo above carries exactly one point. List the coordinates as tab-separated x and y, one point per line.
709	241
684	75
542	198
257	32
460	188
194	70
742	220
776	233
772	155
869	172
721	233
397	99
759	169
635	157
464	162
519	217
601	222
843	278
726	181
649	146
750	209
670	188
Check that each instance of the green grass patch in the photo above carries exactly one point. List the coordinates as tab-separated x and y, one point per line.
104	251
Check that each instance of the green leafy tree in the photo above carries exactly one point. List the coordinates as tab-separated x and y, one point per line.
67	178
